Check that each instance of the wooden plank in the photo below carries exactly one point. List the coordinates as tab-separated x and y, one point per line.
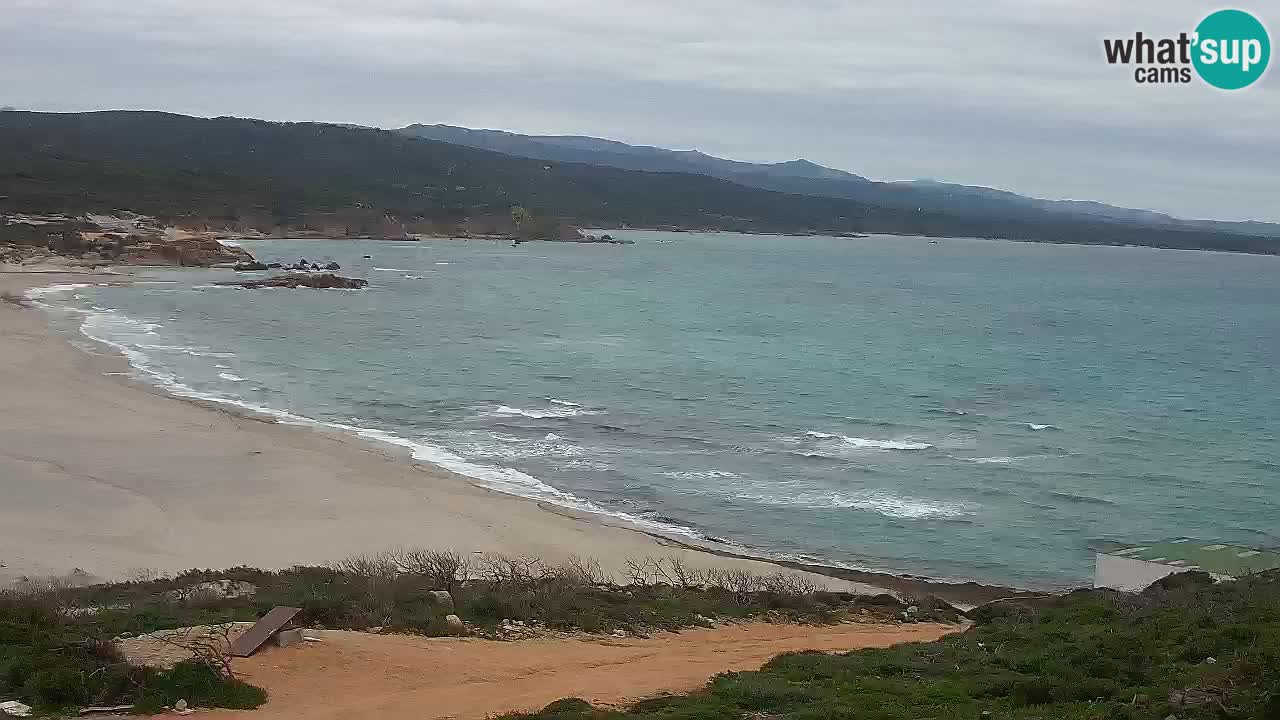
269	625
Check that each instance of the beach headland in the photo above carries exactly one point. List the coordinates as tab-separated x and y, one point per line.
109	477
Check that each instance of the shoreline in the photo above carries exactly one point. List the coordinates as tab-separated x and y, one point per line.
495	521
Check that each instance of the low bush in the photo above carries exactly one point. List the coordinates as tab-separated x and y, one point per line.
54	661
393	590
1186	648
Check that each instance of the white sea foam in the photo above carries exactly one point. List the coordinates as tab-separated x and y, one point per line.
1036	426
1000	460
866	443
563	403
36	293
701	475
882	502
499	446
183	349
399	270
117	330
549	413
230	376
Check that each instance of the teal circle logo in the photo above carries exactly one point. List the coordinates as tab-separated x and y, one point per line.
1231	49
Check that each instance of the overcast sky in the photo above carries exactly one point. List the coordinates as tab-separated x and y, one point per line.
1013	94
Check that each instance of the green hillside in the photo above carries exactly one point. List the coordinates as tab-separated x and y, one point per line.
230	169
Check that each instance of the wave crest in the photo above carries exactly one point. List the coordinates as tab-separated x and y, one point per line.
555	413
881	502
868	443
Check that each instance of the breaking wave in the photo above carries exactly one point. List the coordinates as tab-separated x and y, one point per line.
881	502
869	444
118	331
564	410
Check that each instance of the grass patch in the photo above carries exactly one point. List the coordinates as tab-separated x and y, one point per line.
1185	648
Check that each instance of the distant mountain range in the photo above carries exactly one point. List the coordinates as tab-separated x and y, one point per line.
282	177
809	178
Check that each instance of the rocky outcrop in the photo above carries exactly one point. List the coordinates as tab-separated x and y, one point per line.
185	251
214	589
125	238
250	266
606	238
320	281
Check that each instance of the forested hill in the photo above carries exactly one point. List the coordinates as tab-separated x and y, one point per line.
231	169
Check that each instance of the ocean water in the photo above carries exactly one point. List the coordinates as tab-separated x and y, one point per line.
967	409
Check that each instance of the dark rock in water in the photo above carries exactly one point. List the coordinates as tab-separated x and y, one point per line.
315	267
368	257
320	281
333	266
274	266
249	266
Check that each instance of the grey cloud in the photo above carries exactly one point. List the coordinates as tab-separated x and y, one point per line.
1009	94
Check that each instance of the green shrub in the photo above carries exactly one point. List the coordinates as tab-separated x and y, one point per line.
1089	655
55	688
199	685
568	706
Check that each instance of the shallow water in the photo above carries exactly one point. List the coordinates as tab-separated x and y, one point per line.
968	409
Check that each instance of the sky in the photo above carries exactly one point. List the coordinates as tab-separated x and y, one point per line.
1014	94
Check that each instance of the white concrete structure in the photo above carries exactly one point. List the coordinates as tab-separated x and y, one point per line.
1127	574
1134	568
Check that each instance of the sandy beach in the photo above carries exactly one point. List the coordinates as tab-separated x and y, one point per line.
101	475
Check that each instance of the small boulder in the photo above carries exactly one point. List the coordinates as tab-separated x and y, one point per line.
13	708
216	589
442	597
455	623
285	638
333	266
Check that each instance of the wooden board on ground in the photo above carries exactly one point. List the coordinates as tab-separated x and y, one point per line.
269	625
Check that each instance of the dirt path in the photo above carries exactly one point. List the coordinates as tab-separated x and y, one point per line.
390	677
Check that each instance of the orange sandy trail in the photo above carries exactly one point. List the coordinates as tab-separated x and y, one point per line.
389	677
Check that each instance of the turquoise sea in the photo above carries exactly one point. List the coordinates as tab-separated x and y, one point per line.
964	409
